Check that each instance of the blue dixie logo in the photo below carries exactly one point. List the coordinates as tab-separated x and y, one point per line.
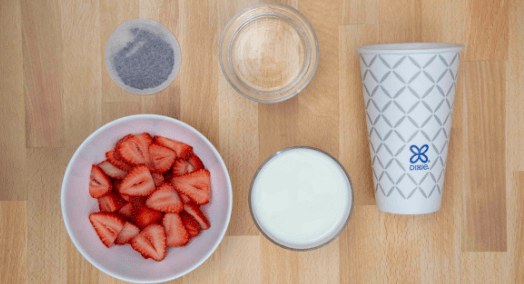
419	154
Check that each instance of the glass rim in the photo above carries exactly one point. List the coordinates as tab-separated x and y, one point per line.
345	223
410	48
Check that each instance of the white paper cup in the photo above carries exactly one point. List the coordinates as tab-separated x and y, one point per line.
409	90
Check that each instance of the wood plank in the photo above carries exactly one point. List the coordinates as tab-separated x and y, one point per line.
359	12
112	14
12	109
485	227
354	145
79	270
42	53
13	242
166	102
399	21
199	69
516	232
320	265
318	102
278	265
82	98
207	273
485	267
237	266
46	234
112	111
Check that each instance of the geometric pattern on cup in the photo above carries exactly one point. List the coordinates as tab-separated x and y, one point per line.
407	98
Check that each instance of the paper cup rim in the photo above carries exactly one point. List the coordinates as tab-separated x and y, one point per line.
410	48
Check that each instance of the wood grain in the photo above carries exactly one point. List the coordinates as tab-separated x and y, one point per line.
485	228
517	232
12	150
236	265
399	21
42	46
355	12
112	111
487	267
285	270
13	242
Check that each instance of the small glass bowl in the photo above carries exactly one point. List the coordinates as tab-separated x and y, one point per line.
268	52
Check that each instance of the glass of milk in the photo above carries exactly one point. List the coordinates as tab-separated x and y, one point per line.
301	198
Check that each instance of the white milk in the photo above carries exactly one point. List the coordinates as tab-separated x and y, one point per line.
301	198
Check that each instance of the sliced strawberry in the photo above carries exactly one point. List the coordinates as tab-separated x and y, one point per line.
111	170
158	179
110	155
124	139
117	183
195	185
182	150
111	202
195	161
180	167
126	211
162	158
146	217
176	232
168	176
151	242
184	198
135	150
107	226
99	184
193	210
138	182
128	232
192	226
165	199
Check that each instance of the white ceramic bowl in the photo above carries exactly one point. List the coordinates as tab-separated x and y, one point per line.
123	262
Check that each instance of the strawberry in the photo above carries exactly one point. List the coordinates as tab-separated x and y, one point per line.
184	198
128	232
134	151
162	158
151	242
195	185
126	211
168	176
182	150
193	210
180	167
165	199
192	226
111	202
176	233
99	184
195	161
138	182
110	156
124	139
158	179
117	183
107	226
112	171
146	217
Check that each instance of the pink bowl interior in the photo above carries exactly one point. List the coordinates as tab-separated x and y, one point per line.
122	261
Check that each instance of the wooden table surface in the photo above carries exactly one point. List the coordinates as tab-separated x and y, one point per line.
55	91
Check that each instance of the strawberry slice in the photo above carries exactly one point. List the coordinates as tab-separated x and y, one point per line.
176	233
146	217
111	202
181	167
162	158
128	232
192	226
135	150
184	198
110	156
117	183
158	179
168	176
111	170
99	184
138	203
165	199
107	226
195	161
124	139
126	211
182	150
195	185
193	210
138	182
151	242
